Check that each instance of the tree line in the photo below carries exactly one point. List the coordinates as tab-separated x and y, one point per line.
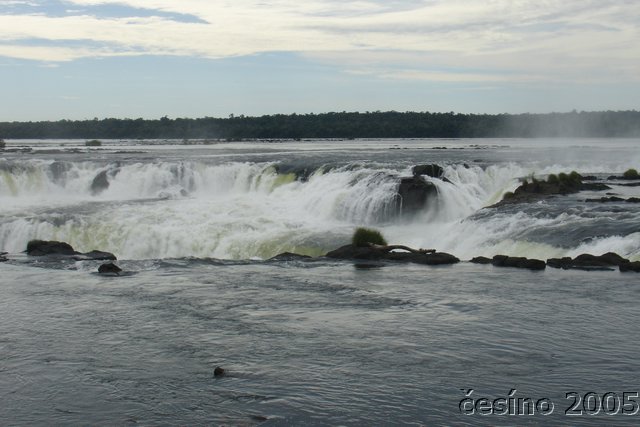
389	124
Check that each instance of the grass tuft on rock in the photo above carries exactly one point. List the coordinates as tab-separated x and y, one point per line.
631	174
366	236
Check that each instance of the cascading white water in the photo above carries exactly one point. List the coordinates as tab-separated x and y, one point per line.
241	210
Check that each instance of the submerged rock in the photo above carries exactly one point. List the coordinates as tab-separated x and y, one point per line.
352	252
109	268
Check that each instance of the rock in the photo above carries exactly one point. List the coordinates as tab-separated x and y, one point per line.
630	266
518	262
481	260
352	252
43	247
633	200
3	256
219	372
588	262
289	256
100	255
435	258
109	268
355	252
433	170
99	183
499	260
606	200
609	259
413	194
538	189
564	262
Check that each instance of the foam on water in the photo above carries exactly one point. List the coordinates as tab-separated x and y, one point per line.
242	210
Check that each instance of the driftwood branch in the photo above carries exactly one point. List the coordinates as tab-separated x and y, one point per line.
389	248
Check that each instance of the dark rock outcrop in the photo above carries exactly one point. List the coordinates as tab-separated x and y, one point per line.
630	266
433	170
44	247
605	260
54	248
109	268
518	262
3	256
352	252
606	200
219	372
414	193
100	255
538	190
564	262
99	183
588	262
289	256
481	260
614	199
101	180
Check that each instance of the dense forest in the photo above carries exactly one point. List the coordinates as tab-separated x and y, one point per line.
377	124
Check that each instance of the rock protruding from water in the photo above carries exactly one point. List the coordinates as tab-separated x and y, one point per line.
614	199
289	256
110	269
532	189
351	252
52	247
100	255
630	266
219	371
101	181
588	262
414	193
432	170
481	260
3	256
518	262
55	248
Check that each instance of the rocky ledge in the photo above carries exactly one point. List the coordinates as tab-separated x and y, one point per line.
375	252
607	261
54	248
509	261
532	189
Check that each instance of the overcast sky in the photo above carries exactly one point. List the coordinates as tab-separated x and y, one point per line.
82	59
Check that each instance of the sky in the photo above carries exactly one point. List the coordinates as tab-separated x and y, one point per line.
82	59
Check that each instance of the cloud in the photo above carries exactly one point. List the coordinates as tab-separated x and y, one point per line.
442	40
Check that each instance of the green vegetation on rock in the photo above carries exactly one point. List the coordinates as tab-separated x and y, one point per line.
93	143
367	236
631	174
